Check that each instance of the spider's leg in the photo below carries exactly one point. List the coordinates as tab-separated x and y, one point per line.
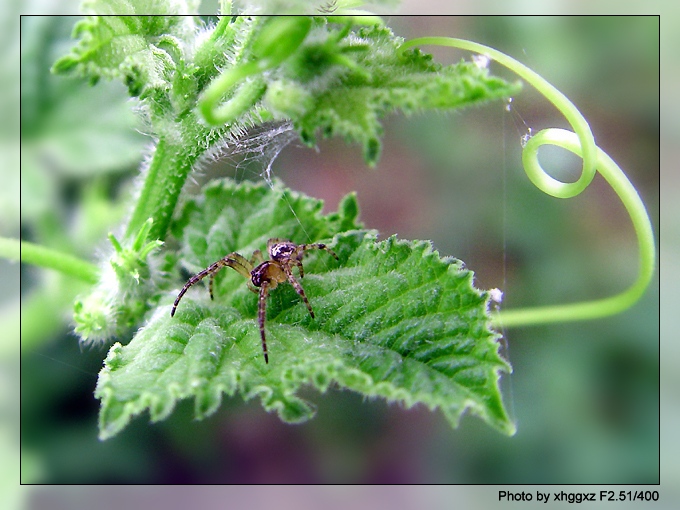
240	264
298	263
317	246
305	248
233	260
210	284
188	284
193	280
261	314
236	262
257	258
298	288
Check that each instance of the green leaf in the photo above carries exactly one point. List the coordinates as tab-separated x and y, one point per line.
202	88
140	50
342	87
393	320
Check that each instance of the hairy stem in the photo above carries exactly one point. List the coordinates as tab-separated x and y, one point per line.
225	7
30	253
163	183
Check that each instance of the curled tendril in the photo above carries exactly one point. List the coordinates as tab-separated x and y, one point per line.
582	143
277	41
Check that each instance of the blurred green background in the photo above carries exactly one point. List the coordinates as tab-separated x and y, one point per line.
585	396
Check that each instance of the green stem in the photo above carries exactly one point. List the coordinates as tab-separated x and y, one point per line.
163	183
30	253
541	179
225	7
10	248
643	230
581	143
277	39
244	98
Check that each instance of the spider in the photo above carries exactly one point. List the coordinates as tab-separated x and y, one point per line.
283	254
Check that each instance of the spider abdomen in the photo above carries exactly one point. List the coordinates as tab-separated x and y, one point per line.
268	272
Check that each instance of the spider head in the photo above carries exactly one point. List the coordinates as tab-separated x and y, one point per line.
281	250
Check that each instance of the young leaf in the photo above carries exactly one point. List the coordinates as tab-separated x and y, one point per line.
137	49
343	86
200	88
393	319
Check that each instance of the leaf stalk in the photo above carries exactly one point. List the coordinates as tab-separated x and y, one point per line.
31	253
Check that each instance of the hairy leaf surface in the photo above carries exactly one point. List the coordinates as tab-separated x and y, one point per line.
341	80
393	320
137	49
349	99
